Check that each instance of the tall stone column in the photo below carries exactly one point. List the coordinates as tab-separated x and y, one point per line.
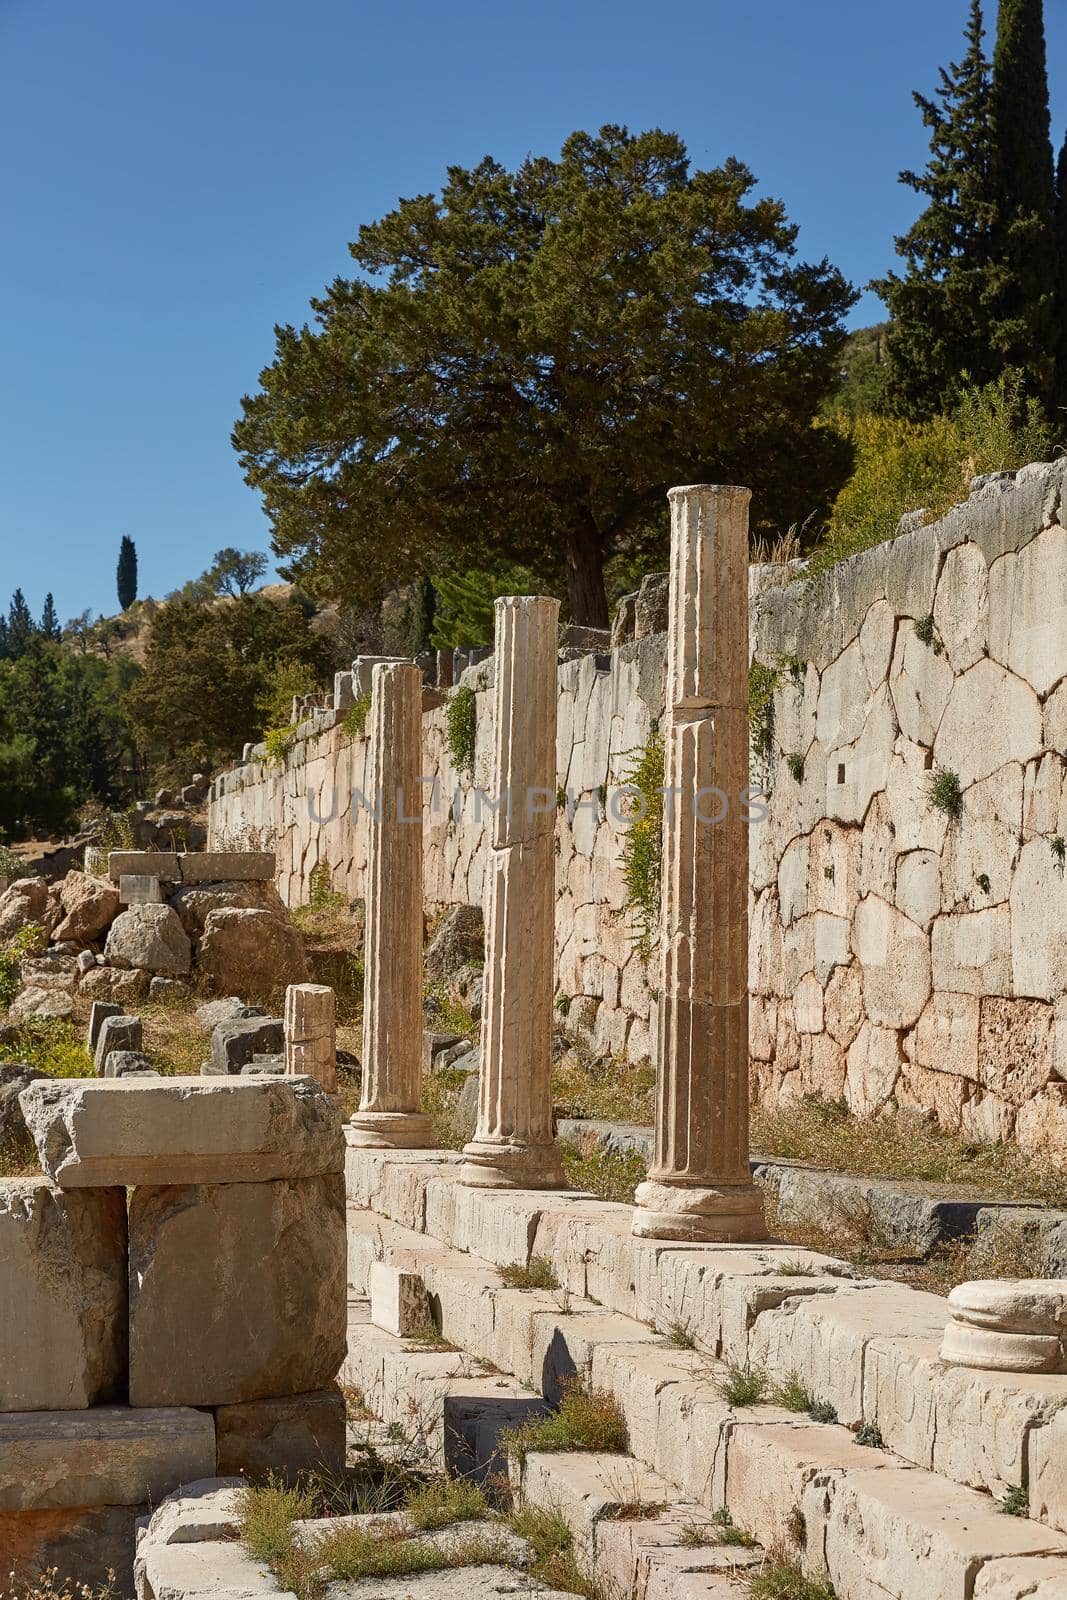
699	1187
311	1033
389	1115
513	1146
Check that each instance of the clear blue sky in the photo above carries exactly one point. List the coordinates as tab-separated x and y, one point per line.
178	178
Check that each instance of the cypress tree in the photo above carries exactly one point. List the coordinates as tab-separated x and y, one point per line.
126	576
1024	331
1061	254
940	304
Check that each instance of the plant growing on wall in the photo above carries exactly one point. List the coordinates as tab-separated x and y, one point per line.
279	742
1059	851
762	682
795	762
927	635
462	714
945	794
354	721
641	850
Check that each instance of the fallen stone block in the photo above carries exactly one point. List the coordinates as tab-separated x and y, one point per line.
232	866
117	1030
152	939
165	991
202	1510
1022	1578
267	1316
398	1301
251	949
207	1571
121	1063
228	1009
128	1131
63	1296
234	1043
109	1455
301	1433
93	1545
153	863
140	889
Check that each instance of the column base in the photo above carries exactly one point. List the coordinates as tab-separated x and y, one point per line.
392	1130
730	1213
497	1164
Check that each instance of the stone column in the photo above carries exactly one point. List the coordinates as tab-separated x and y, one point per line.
699	1187
444	669
311	1033
513	1146
389	1115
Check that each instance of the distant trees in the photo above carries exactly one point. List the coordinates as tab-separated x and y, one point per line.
235	572
50	628
126	575
982	292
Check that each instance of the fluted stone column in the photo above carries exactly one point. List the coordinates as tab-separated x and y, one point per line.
389	1114
699	1187
311	1033
513	1145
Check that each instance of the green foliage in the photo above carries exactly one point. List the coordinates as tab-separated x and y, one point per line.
1015	1502
278	743
944	794
762	683
283	681
862	389
461	715
465	614
126	573
207	671
538	1274
926	633
587	1419
727	1530
982	880
321	894
235	572
791	1394
795	762
354	721
407	619
679	1336
870	1434
558	340
10	864
743	1385
47	1044
642	845
905	466
822	1411
1058	845
608	1174
778	1579
28	941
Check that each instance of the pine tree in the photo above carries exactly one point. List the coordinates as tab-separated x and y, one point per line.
20	625
941	303
1024	331
126	576
1061	314
50	628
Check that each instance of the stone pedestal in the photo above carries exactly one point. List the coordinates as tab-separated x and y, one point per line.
311	1033
699	1187
1008	1325
513	1145
389	1115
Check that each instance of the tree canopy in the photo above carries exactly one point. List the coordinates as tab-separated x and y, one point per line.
524	364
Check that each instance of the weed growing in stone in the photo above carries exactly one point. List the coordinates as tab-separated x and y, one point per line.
539	1273
278	742
1058	846
743	1386
982	880
794	1267
587	1419
795	762
602	1172
870	1434
791	1394
461	716
781	1580
443	1501
430	1337
554	1560
354	721
679	1336
926	634
762	682
1016	1502
822	1411
727	1530
945	794
49	1585
641	846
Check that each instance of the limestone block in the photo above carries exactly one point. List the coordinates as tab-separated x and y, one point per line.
843	1004
769	1466
916	824
92	1133
972	952
95	1544
208	1571
1055	717
62	1296
873	1067
25	901
984	843
795	711
843	696
121	1063
398	1302
1016	1048
961	614
856	772
234	1043
198	1511
876	642
118	1031
946	1035
878	851
259	1250
311	1033
302	1433
1047	1476
194	902
115	983
920	681
140	889
1022	1578
918	890
89	906
1028	610
834	863
1038	924
109	1455
251	950
793	881
1045	796
808	1005
894	955
226	866
912	561
98	1010
40	1002
992	717
150	938
886	1532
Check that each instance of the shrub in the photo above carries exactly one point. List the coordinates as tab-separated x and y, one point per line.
795	762
539	1274
48	1044
743	1386
279	742
945	794
587	1419
462	719
643	842
354	721
27	942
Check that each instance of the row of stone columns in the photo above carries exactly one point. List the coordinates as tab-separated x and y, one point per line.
699	1187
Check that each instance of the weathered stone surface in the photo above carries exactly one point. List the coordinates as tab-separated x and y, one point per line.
62	1296
895	957
229	1009
398	1300
258	1251
200	1510
233	1044
1022	1578
1038	924
650	611
38	1002
212	1570
115	983
961	610
110	1455
992	717
311	1033
1007	1325
1028	612
946	1036
14	1077
25	901
97	1012
298	1434
194	903
251	950
971	953
151	938
168	991
1047	1463
981	850
90	905
459	941
95	1544
920	682
227	866
93	1132
121	1063
117	1031
873	1066
139	889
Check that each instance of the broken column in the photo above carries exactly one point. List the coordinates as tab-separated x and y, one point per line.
389	1115
700	1187
311	1033
513	1145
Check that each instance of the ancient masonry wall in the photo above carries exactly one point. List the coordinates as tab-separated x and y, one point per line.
901	952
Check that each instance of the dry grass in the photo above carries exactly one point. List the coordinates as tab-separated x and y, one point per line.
615	1091
18	1158
537	1274
48	1585
827	1134
587	1419
173	1038
600	1172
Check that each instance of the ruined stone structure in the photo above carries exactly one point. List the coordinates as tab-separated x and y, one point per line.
901	951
